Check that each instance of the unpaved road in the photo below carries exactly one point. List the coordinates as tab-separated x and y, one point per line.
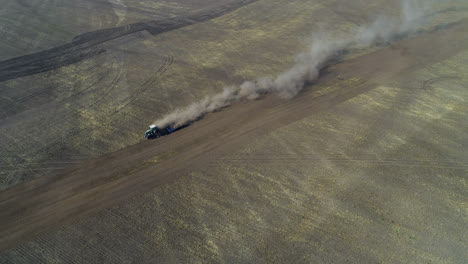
43	204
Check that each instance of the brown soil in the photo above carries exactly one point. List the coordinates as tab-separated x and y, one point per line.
43	204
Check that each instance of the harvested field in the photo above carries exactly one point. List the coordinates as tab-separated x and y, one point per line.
367	164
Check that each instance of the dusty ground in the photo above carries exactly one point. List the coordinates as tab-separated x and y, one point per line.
366	169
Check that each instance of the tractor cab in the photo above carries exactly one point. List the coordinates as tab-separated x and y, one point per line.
155	132
152	132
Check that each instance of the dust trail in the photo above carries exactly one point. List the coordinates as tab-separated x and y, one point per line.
307	64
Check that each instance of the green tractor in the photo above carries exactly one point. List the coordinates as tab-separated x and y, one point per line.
155	132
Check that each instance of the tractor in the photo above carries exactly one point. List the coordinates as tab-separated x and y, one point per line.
155	132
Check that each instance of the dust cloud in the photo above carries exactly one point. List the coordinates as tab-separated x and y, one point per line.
307	65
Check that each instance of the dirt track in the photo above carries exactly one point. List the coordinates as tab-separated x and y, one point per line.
42	204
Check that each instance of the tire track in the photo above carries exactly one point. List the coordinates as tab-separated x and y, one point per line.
281	159
427	83
26	98
78	49
118	60
50	88
146	84
72	97
62	163
72	132
66	135
112	87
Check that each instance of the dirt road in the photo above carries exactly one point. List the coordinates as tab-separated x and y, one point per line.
43	204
